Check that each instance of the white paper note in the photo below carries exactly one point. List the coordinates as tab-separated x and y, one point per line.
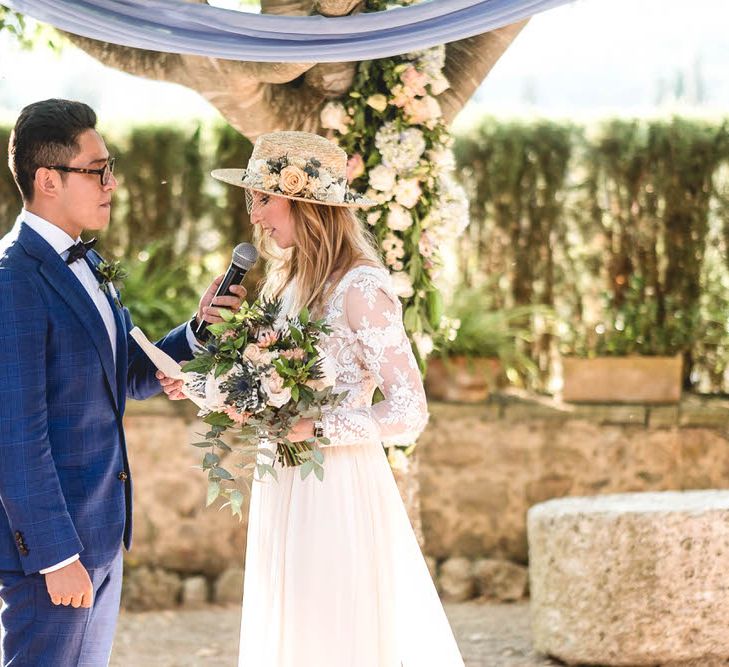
165	363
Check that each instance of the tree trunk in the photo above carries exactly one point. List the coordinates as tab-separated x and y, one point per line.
264	97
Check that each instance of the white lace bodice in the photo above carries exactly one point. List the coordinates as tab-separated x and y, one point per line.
369	348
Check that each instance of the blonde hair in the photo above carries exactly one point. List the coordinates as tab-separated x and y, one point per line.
328	242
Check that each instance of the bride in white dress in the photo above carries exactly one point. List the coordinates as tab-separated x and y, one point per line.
334	576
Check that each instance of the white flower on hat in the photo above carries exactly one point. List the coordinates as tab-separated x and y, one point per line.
334	117
399	218
401	284
407	192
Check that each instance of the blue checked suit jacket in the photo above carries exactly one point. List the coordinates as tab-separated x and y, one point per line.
65	484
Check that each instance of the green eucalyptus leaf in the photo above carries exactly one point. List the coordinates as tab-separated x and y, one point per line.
213	493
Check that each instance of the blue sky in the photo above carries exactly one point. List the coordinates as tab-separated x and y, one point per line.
590	58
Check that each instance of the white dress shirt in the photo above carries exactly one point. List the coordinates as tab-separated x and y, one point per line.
61	242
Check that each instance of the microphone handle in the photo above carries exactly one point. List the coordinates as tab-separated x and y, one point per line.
233	276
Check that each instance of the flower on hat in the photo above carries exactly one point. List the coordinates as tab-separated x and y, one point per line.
292	180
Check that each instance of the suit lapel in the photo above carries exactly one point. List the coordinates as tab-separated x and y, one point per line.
68	287
94	260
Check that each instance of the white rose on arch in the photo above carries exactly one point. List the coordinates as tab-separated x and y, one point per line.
408	192
424	343
382	178
401	284
334	117
399	218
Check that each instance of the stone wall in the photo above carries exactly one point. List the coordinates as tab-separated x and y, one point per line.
481	467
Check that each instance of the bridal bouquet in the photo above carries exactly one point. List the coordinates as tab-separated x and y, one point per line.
256	377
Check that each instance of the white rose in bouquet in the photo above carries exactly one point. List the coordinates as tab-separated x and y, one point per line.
273	386
253	353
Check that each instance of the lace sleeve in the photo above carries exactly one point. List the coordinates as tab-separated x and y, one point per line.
382	346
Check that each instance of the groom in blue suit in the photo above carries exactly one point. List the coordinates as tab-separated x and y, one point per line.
67	365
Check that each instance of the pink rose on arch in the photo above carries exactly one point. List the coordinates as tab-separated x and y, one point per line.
355	167
400	96
423	111
414	81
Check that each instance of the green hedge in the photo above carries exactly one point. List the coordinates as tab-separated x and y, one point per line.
622	228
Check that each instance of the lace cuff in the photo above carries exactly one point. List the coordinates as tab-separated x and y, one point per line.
349	426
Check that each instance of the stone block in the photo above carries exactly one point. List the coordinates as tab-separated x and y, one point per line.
631	579
194	592
150	588
229	587
698	412
610	414
500	580
456	580
663	416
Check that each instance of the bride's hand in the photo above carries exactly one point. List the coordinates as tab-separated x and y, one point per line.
302	430
210	306
171	387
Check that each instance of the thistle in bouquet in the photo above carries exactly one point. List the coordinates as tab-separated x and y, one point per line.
258	374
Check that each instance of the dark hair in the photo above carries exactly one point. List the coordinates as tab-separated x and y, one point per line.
46	133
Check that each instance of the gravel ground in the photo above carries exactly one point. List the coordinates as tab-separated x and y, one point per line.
489	635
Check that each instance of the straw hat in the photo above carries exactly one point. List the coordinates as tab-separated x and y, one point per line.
297	165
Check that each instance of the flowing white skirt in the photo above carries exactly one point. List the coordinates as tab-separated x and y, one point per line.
334	575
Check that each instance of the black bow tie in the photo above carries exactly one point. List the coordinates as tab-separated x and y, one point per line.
79	250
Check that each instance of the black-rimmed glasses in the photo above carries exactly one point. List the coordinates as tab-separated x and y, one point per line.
104	172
